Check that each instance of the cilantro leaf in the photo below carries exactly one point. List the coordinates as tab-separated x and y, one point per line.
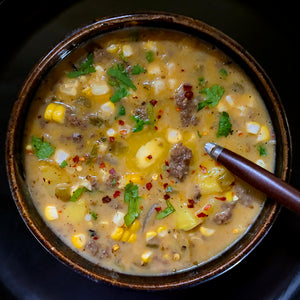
213	96
262	150
42	149
131	196
223	72
94	215
137	69
63	164
167	211
77	193
121	75
224	125
149	56
119	94
139	123
121	112
85	68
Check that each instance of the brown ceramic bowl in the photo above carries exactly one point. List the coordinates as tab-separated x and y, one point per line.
65	254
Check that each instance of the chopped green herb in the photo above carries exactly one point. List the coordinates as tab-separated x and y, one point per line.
42	149
223	72
93	154
262	150
123	57
121	75
200	136
77	193
131	196
167	211
201	82
63	164
119	94
85	68
139	123
149	56
213	96
121	112
224	125
137	69
94	215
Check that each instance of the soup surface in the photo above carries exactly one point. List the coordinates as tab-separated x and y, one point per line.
114	151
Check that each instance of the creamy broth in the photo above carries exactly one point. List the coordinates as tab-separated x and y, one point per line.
114	151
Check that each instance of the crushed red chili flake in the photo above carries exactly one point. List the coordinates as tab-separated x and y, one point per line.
106	199
135	97
158	117
111	139
166	163
203	169
102	165
149	156
121	122
76	159
155	127
160	176
182	70
202	215
141	207
166	196
158	209
148	186
207	207
95	238
39	116
193	172
153	102
165	185
191	203
220	198
116	194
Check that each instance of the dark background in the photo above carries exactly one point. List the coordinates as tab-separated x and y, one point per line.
267	29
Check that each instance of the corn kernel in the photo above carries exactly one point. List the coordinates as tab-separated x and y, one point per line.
87	91
229	196
117	234
108	108
113	48
176	256
146	257
51	213
125	236
235	230
78	240
264	134
115	247
134	178
132	238
162	231
207	231
127	50
150	235
58	114
135	226
49	111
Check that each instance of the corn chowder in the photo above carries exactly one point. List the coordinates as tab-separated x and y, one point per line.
114	151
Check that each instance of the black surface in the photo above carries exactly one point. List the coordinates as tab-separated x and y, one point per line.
266	29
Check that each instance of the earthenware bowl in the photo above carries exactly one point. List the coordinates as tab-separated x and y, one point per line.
65	254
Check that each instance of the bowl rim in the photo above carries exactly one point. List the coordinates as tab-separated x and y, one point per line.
112	23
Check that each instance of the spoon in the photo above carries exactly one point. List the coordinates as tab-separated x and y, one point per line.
258	177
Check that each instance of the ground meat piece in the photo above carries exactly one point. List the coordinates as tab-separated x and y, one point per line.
142	113
243	192
226	213
112	180
92	247
98	54
77	138
74	121
94	182
179	161
187	105
197	194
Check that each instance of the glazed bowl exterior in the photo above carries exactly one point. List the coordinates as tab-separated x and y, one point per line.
52	243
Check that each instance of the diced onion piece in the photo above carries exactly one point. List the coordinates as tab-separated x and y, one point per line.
158	86
108	108
69	87
229	100
51	213
252	127
173	136
154	69
60	155
127	50
118	218
100	89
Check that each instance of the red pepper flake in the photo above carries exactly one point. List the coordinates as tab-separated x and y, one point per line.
216	164
182	70
165	185
158	117
155	127
135	97
149	156
166	163
106	199
160	176
121	122
207	207
95	238
160	112
111	139
240	134
203	169
221	198
191	203
116	194
39	116
158	209
141	207
153	102
148	186
76	159
202	215
193	172
166	196
112	171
